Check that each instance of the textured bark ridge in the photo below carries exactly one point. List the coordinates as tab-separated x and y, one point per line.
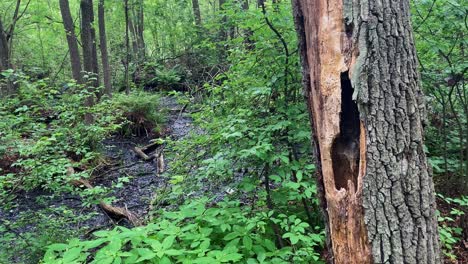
362	86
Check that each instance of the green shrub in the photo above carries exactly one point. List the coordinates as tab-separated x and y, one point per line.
153	76
227	233
142	112
449	230
44	132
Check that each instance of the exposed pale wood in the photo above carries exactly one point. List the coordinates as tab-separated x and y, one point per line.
141	154
150	147
161	163
327	63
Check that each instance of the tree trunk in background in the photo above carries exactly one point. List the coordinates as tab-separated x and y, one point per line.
89	47
131	27
127	47
6	45
75	60
136	26
196	12
5	63
103	47
367	109
4	49
94	56
140	28
248	33
88	39
223	34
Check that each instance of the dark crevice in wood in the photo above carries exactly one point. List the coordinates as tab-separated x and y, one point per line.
345	148
349	29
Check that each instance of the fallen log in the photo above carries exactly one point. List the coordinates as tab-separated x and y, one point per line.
112	211
140	153
143	152
150	147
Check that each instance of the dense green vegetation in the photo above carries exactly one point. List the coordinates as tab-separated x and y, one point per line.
240	187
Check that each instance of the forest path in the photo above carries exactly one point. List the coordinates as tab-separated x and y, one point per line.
144	179
143	182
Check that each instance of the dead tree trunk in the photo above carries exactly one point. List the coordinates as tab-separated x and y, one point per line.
367	109
75	60
103	47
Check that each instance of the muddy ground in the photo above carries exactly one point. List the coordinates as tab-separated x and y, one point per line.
136	196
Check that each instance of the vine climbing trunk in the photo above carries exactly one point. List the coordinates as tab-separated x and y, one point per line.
367	110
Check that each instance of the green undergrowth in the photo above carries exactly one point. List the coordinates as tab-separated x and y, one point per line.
42	134
141	112
450	218
241	186
227	233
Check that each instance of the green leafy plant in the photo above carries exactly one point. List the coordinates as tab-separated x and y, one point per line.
450	233
195	234
142	112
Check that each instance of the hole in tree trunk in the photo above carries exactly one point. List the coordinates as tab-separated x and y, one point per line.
349	29
345	148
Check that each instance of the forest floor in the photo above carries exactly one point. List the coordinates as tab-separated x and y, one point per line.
144	181
141	190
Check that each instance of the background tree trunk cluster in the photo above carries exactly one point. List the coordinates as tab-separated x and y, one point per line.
6	45
90	66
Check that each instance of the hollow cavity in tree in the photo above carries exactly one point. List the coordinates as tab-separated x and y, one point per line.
346	147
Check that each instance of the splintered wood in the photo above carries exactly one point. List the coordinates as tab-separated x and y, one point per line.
329	60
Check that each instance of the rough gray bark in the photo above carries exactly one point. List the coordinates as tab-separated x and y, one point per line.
367	109
196	12
75	60
103	47
398	195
